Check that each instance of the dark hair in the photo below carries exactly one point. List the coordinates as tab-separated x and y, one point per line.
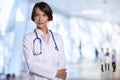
45	8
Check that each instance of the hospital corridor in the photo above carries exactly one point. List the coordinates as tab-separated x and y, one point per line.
83	36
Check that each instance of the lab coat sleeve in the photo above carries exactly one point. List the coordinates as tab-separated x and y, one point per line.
61	63
33	66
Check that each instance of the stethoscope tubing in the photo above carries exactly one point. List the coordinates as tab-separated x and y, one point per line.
40	41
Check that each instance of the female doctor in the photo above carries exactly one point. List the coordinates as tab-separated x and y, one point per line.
43	49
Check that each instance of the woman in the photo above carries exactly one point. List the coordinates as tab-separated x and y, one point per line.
43	49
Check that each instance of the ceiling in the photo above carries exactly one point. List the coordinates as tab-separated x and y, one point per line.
107	10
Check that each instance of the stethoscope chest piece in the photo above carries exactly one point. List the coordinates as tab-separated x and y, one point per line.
56	48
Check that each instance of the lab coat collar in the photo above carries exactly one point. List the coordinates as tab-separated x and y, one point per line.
41	35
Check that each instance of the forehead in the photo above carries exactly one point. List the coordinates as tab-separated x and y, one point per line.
38	10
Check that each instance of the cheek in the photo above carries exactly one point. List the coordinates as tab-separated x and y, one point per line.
46	20
35	18
35	22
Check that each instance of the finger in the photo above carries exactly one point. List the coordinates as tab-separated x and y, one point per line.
63	69
64	75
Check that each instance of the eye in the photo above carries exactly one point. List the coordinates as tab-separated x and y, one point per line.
36	15
45	15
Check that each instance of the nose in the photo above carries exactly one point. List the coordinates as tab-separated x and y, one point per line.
40	17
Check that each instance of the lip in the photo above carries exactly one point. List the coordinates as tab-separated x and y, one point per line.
40	23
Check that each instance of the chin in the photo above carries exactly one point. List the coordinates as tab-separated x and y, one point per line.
40	27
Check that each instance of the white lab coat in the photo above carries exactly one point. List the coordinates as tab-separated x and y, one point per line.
102	58
45	65
108	58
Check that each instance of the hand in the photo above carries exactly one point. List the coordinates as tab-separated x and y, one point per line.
61	74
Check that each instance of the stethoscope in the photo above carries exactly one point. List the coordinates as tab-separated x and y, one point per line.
40	41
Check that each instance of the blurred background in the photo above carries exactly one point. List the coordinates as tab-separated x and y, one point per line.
85	25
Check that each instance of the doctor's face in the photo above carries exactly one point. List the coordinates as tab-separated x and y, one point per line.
40	18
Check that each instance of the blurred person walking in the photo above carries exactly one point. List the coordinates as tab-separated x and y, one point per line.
114	60
102	59
107	60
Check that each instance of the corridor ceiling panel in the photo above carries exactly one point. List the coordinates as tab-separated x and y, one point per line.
103	10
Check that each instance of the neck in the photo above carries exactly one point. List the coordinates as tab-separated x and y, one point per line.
44	30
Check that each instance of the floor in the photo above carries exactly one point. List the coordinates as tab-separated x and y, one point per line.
90	69
86	69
